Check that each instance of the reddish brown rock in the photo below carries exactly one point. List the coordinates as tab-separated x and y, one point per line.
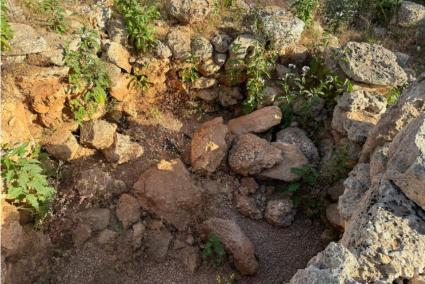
234	241
128	210
257	121
11	229
98	134
209	145
167	191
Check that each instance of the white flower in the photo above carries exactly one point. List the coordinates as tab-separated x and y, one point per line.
305	69
292	66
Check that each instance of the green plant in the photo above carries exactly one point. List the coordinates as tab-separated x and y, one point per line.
305	9
139	20
55	15
87	75
307	91
6	31
213	250
308	176
393	95
24	179
140	82
190	74
258	66
337	167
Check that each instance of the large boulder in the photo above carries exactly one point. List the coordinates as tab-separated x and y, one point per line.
26	40
280	28
336	264
250	155
189	11
410	105
406	164
355	186
292	157
410	14
234	241
357	112
167	191
209	145
386	234
371	64
256	122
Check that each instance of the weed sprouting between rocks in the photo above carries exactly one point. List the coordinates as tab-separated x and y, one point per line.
6	31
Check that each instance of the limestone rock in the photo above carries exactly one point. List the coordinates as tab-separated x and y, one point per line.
379	160
95	183
117	31
406	164
178	40
208	67
357	112
251	155
258	121
203	83
96	218
297	136
201	48
63	145
98	134
234	241
410	105
280	28
410	14
122	150
333	216
292	157
209	145
26	40
161	50
119	55
158	192
371	64
189	11
128	210
386	234
356	185
121	87
239	51
221	42
335	264
280	213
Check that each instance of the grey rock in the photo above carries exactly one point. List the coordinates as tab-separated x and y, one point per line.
189	11
355	186
410	14
106	236
119	55
161	50
202	49
96	218
229	96
178	40
220	58
406	164
204	83
335	265
221	42
26	40
280	213
371	64
297	136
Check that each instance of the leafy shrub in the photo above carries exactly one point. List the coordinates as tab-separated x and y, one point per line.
55	15
259	64
340	13
306	90
337	167
139	22
139	82
308	177
190	73
305	9
393	95
87	75
213	250
24	180
5	32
